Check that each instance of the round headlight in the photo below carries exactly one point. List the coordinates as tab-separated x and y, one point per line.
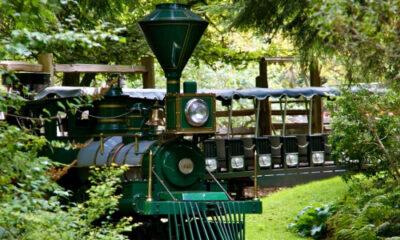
196	112
264	160
318	157
292	159
237	162
186	166
211	164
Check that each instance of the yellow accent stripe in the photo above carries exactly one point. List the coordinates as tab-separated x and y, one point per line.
112	106
138	128
111	120
173	82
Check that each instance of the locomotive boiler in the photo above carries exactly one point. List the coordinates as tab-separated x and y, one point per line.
166	184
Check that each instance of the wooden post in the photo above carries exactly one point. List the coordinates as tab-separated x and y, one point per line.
317	110
46	59
148	76
265	122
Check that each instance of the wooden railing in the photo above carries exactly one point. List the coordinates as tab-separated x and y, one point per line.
266	126
45	64
248	112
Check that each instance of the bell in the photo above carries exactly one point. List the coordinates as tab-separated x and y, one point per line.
156	118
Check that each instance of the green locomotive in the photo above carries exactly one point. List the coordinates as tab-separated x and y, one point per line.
167	172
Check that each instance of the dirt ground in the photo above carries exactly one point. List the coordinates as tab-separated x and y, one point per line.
262	192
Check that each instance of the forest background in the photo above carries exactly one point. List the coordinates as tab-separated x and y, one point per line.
353	42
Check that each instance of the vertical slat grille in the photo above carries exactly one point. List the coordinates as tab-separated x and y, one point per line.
210	149
290	144
316	143
263	145
234	147
222	220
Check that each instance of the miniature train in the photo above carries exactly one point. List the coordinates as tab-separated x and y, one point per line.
179	169
167	176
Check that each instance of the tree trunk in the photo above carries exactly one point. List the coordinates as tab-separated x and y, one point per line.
317	117
70	79
87	79
265	106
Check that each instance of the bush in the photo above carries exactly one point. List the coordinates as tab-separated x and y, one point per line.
311	221
368	211
365	133
33	206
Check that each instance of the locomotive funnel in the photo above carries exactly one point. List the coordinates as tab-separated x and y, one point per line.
173	31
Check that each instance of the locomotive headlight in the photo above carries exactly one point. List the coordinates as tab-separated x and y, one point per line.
318	157
237	162
211	164
264	160
292	159
186	166
196	112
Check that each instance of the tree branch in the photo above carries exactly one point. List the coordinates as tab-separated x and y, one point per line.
393	164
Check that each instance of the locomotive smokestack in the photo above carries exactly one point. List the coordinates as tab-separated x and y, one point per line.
173	31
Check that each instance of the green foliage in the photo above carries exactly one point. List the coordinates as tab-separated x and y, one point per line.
368	211
95	214
30	27
311	221
33	206
366	139
363	35
102	32
365	132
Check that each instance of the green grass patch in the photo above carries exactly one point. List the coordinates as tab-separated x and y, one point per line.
281	208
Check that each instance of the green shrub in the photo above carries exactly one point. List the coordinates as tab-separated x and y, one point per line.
311	221
33	206
365	133
369	210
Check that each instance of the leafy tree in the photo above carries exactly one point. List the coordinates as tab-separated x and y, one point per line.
106	32
366	130
363	35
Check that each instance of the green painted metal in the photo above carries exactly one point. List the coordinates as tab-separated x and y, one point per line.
209	101
165	162
173	31
195	196
137	118
166	207
213	187
171	112
203	196
110	112
172	155
191	219
134	194
336	170
62	155
113	92
176	119
189	87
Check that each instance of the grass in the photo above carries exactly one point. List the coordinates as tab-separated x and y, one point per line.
280	208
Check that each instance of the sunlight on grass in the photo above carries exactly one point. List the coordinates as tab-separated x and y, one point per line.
280	208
